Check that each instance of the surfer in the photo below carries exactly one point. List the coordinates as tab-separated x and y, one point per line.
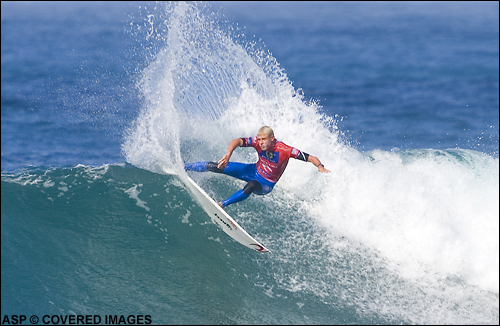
261	176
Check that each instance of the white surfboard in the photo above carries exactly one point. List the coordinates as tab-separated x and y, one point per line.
218	215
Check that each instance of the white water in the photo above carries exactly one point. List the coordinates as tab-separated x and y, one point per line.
428	219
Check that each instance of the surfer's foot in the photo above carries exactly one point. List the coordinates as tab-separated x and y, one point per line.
220	204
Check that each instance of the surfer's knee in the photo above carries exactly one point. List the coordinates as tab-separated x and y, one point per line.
213	167
252	186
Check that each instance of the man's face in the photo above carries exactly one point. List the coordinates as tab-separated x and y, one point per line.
265	142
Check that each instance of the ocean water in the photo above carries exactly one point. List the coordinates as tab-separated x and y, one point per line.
400	100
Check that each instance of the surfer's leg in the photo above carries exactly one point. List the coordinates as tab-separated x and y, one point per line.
252	186
202	167
242	171
235	198
196	166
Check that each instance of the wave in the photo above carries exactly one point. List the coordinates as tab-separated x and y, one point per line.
355	258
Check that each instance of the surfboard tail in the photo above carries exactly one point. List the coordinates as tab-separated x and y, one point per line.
219	216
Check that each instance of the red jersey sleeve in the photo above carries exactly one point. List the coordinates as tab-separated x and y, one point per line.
249	141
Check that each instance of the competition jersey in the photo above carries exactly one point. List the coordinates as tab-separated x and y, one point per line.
272	163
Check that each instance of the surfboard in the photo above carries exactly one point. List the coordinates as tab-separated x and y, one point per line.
218	215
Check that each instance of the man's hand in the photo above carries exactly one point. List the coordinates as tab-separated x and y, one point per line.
314	160
321	168
223	161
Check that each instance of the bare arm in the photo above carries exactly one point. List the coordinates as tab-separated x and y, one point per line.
232	146
314	160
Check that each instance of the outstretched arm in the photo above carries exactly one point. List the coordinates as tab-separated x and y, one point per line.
314	160
232	146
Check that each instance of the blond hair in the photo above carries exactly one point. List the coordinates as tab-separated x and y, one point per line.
266	131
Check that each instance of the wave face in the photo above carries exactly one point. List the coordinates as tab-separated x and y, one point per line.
388	237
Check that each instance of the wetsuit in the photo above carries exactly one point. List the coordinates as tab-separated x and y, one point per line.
261	176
